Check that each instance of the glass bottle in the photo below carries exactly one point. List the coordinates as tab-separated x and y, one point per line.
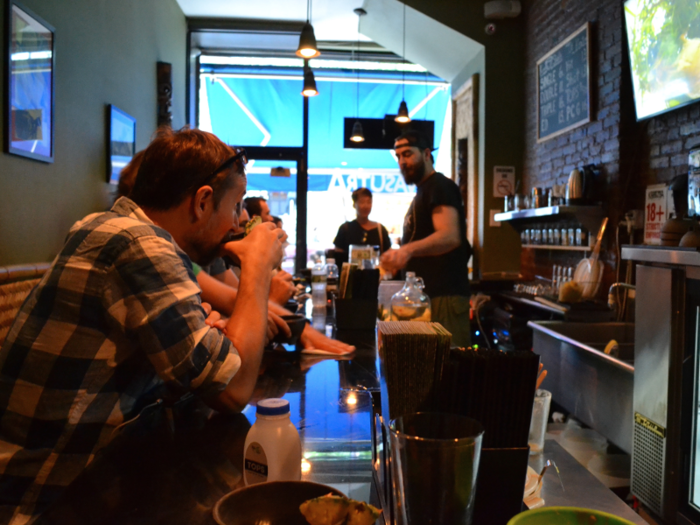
332	276
411	303
318	284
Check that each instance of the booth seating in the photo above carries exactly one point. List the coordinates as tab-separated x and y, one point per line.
15	284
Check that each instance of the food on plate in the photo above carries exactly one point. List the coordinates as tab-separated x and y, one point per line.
362	513
338	510
325	510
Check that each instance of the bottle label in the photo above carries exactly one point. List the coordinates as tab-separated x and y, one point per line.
255	464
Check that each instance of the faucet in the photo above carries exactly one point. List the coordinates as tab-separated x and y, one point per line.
612	294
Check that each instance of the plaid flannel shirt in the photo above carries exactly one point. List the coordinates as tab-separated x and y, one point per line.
117	316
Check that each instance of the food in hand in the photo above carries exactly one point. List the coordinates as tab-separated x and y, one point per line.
252	223
338	510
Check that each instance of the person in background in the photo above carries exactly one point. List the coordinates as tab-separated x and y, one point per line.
361	230
434	243
257	206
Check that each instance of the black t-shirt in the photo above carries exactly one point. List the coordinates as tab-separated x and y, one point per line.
445	274
352	233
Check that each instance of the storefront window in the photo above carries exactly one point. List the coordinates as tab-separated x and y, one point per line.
260	105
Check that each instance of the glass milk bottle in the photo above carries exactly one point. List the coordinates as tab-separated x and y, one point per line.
272	447
411	303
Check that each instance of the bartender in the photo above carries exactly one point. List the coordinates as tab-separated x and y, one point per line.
434	243
361	230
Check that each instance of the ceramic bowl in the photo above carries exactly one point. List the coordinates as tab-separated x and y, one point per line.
296	323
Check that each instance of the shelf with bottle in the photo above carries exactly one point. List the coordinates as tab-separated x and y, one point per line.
588	216
555	247
571	236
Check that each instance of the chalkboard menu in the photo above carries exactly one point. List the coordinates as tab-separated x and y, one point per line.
563	86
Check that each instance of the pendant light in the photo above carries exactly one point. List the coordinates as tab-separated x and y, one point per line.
309	89
402	117
307	40
357	133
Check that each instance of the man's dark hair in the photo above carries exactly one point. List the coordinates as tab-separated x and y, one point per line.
254	205
417	140
360	192
177	163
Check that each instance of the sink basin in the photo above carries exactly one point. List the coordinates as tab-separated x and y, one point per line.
595	388
593	335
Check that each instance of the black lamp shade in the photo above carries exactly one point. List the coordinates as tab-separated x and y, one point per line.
309	84
357	133
402	116
307	43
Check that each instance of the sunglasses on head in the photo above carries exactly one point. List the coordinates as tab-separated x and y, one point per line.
240	154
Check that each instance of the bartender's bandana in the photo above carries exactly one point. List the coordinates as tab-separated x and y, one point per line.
117	315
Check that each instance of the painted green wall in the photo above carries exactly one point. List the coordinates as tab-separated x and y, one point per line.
106	53
501	70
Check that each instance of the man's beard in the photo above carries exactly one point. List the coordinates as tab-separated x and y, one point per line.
206	253
414	175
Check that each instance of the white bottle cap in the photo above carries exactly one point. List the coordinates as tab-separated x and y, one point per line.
273	407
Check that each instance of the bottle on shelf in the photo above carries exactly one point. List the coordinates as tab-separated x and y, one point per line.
581	235
411	303
272	447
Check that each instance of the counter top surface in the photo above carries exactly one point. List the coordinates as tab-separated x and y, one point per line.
578	487
173	464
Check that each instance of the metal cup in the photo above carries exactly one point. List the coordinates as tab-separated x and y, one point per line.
434	462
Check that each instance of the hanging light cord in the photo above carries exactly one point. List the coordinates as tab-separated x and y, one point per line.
308	11
357	66
403	70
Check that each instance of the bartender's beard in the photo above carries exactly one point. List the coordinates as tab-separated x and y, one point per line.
414	174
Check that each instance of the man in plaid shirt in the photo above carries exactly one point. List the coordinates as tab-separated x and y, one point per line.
118	319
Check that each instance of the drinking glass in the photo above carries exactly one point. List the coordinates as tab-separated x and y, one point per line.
538	423
434	465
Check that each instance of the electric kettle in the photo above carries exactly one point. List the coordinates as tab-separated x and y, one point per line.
574	188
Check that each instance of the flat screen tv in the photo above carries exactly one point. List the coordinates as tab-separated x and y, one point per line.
663	39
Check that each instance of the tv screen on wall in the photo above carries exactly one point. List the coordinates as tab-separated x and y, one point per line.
663	39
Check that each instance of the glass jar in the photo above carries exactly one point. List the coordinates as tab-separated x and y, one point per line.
411	303
557	236
564	234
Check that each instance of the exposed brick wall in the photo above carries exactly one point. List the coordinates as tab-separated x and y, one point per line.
548	23
631	154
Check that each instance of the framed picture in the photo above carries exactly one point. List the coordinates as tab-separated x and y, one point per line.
29	84
121	144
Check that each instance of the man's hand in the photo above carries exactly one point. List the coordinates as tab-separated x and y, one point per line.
275	325
395	260
263	248
311	338
281	288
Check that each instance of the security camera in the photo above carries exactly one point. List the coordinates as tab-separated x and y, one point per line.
490	29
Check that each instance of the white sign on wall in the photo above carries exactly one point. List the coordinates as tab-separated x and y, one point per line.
503	181
656	212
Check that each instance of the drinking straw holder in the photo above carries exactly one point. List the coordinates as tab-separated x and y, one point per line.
500	484
356	314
